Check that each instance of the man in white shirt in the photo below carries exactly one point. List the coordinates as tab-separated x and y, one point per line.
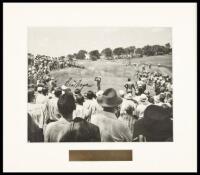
90	105
41	98
52	107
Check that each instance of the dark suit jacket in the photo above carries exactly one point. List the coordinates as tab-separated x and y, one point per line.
78	130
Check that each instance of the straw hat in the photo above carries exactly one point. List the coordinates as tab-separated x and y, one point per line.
128	96
99	93
39	89
143	98
121	93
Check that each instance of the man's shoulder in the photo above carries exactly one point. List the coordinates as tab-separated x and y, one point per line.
35	107
99	117
52	101
99	114
119	124
57	125
93	126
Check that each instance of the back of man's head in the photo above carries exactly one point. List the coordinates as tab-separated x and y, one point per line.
66	103
79	99
90	95
45	90
57	92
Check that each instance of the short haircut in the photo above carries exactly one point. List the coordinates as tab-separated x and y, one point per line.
151	99
77	91
162	97
90	95
79	99
66	103
45	90
58	92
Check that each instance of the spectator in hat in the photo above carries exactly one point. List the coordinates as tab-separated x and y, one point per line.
111	129
68	130
143	103
155	126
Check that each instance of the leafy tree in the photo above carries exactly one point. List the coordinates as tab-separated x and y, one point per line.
167	45
30	58
94	55
81	54
70	57
168	48
139	51
107	52
148	50
119	51
130	50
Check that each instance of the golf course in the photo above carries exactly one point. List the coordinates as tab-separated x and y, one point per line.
114	73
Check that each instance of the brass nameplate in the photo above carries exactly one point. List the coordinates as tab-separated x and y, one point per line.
100	155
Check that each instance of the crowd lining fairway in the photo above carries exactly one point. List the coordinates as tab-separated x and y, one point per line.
114	73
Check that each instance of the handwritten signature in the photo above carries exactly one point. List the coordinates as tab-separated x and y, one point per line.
76	84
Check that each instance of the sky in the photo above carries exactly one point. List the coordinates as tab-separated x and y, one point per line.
58	41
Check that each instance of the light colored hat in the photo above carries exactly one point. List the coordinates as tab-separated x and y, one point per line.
146	92
39	89
128	96
121	93
63	87
99	93
143	98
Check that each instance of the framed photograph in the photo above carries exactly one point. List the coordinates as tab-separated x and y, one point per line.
97	85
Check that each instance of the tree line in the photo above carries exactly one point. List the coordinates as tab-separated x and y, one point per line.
120	52
117	53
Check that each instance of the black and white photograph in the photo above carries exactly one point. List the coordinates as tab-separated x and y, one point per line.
100	84
100	87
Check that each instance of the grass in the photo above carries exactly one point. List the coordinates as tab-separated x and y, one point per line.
114	73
